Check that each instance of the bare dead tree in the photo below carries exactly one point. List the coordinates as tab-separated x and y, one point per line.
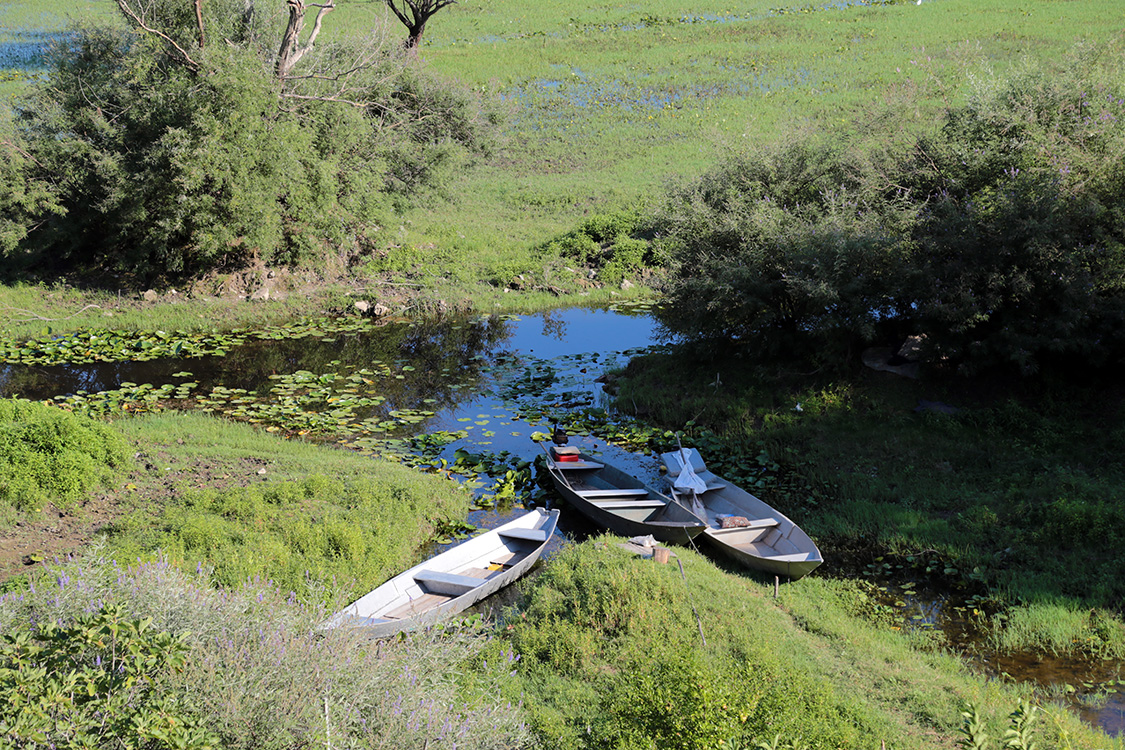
346	79
292	49
414	14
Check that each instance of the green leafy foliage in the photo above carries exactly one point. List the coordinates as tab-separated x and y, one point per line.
1018	735
23	196
1001	237
787	249
611	244
49	455
673	699
181	157
1022	244
94	682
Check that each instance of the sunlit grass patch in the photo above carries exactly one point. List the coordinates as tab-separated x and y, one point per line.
1059	628
52	456
604	638
248	504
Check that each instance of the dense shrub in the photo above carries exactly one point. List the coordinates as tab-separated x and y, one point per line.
1001	237
50	455
612	245
168	157
1022	240
786	250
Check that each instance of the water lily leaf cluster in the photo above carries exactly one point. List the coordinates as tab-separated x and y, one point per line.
103	345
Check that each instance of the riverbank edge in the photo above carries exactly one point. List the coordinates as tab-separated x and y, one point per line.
32	310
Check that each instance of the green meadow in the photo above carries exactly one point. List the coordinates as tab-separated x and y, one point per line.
611	101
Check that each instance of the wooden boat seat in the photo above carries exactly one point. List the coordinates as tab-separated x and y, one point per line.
577	465
621	504
616	492
509	559
450	584
532	535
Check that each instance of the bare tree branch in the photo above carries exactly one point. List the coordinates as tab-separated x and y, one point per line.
132	15
291	48
199	20
313	98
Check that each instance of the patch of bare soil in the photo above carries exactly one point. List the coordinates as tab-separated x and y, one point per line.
56	533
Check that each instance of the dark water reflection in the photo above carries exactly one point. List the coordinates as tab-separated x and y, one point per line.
468	372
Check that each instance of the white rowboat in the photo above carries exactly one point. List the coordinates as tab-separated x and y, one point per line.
768	541
453	580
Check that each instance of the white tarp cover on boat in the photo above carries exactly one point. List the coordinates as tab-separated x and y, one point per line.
688	481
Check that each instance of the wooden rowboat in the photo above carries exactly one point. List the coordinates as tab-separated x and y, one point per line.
618	501
767	541
452	581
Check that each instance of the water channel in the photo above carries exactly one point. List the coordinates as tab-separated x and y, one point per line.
487	385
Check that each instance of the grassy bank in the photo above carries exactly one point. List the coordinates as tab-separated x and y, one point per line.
212	494
34	311
1005	485
604	650
619	651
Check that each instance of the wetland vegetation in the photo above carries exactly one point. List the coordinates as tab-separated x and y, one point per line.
195	478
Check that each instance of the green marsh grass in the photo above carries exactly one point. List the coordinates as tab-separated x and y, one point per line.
1018	490
813	665
247	504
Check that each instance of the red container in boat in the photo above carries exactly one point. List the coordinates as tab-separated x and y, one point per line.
565	454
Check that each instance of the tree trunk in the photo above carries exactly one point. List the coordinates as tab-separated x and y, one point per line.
414	38
288	50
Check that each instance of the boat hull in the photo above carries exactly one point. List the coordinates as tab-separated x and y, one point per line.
622	503
772	543
453	581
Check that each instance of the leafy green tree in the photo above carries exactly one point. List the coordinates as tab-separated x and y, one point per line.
24	199
789	251
209	135
1022	240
